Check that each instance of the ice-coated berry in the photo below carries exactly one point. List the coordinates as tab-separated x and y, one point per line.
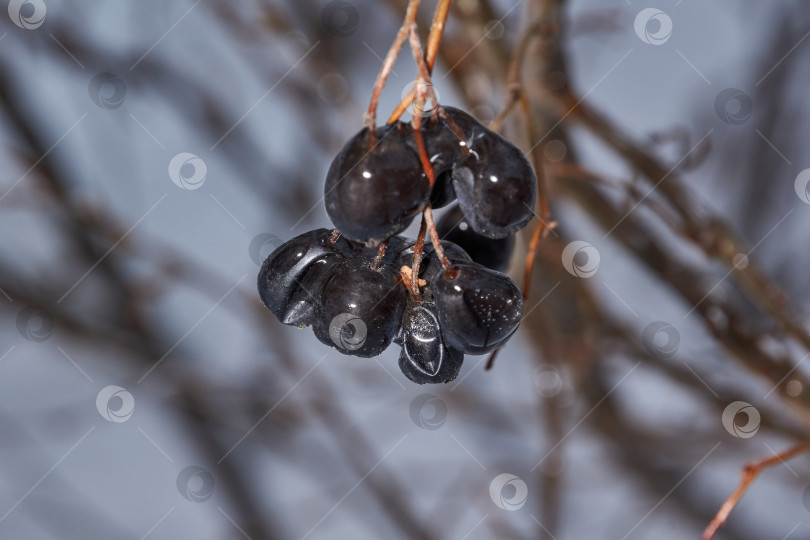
495	185
294	272
374	189
478	308
361	308
493	253
424	357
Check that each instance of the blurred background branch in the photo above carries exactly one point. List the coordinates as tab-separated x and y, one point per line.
155	153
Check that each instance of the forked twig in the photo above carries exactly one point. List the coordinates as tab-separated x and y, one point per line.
388	64
749	474
423	89
431	51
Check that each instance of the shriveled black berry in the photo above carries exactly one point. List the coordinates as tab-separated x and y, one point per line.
478	308
494	182
303	304
493	253
424	357
361	308
445	147
374	190
291	276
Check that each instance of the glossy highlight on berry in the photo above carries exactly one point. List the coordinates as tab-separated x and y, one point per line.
376	186
478	309
356	285
356	291
425	358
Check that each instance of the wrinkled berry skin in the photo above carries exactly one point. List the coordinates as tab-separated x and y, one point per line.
425	359
361	308
478	308
291	277
445	148
373	191
493	181
494	253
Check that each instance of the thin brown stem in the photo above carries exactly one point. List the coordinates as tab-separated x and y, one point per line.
491	361
380	254
418	249
423	90
431	52
334	237
388	65
749	474
531	253
436	33
516	95
434	238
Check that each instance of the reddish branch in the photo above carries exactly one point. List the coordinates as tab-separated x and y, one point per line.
431	51
749	474
388	64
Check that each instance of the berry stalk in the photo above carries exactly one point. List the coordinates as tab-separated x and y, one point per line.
380	254
388	64
417	259
437	245
431	52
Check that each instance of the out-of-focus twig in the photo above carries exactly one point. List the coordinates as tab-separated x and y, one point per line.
749	474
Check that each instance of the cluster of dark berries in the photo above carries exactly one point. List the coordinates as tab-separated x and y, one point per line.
376	185
359	296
